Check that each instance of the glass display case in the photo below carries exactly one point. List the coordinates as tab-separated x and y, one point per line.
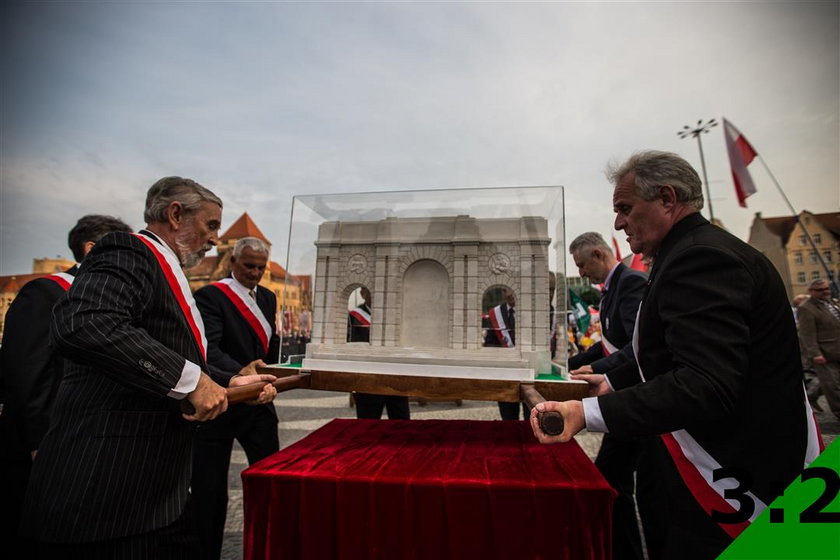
443	283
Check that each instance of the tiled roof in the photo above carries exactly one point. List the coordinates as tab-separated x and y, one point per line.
305	280
13	284
783	226
244	227
276	270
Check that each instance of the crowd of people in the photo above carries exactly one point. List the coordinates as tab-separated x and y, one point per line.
117	431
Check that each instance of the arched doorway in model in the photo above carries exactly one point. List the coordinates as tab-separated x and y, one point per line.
359	315
497	320
425	305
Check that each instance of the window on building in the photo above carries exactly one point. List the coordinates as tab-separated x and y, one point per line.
797	258
800	278
812	257
817	239
815	275
803	240
827	256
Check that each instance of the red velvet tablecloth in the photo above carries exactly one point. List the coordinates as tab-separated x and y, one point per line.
436	489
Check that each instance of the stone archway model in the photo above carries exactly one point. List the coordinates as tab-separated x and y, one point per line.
427	277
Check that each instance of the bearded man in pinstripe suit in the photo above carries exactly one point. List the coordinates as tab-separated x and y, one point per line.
111	478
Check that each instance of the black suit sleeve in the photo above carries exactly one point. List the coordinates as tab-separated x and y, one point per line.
117	289
623	376
32	370
594	352
614	360
631	288
705	330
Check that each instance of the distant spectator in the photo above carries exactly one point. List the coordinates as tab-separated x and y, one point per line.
819	336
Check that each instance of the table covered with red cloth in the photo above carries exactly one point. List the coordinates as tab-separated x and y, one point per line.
441	489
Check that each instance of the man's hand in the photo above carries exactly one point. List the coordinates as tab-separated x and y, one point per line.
268	392
251	369
572	412
581	369
819	360
597	383
208	398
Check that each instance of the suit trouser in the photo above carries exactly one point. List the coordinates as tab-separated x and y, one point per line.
829	376
510	411
255	427
15	466
618	459
371	406
178	541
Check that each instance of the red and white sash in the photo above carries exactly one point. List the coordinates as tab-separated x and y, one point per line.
62	279
696	466
361	316
249	309
607	346
499	327
171	268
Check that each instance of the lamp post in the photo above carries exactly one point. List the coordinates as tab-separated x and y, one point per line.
696	131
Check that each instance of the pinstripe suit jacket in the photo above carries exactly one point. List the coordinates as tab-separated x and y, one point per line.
117	458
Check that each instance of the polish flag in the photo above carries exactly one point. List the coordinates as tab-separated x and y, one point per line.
637	264
617	252
741	154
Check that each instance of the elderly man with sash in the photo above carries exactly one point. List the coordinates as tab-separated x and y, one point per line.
32	370
239	319
718	374
112	475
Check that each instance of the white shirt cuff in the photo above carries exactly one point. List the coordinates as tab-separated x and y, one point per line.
592	415
187	382
607	379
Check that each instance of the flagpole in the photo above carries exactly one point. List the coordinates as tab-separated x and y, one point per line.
835	291
695	132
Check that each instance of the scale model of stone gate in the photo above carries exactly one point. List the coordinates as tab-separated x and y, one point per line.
427	277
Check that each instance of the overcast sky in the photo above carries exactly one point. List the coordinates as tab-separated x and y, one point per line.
263	101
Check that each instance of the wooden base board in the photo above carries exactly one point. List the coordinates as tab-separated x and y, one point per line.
434	388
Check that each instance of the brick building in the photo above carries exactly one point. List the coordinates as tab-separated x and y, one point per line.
785	243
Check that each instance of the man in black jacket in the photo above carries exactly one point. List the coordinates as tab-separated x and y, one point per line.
618	456
112	475
32	369
239	320
719	375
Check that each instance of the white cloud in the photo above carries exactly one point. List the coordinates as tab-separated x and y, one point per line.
260	102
